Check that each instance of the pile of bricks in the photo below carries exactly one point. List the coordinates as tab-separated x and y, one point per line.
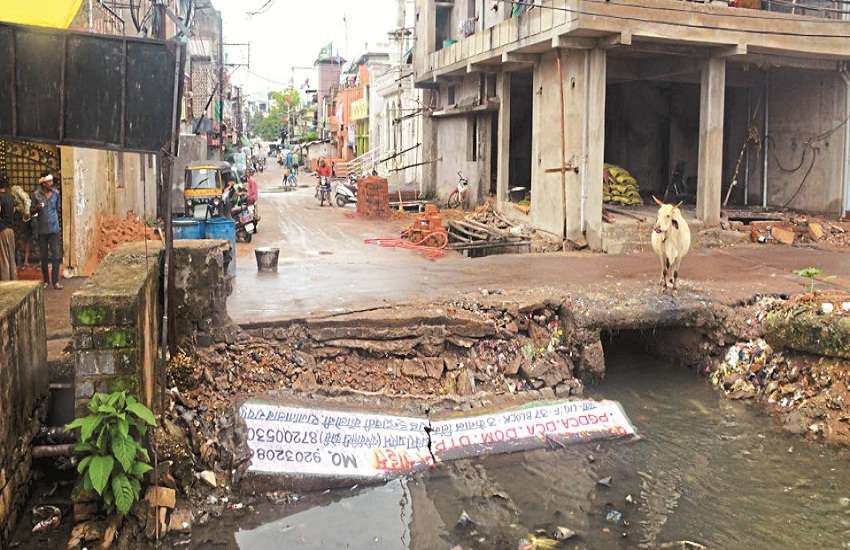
373	198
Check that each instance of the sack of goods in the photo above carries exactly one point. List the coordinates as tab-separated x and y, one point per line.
620	187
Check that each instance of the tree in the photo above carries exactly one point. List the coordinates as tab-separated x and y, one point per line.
283	104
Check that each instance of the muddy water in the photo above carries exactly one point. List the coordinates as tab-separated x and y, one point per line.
706	470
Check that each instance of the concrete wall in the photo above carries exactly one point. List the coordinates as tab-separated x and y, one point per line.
192	148
804	104
453	143
115	319
116	315
96	183
23	386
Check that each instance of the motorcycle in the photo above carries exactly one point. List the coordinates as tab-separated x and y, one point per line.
246	218
323	190
346	192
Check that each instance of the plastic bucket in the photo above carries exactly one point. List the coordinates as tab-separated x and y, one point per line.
267	258
188	228
224	229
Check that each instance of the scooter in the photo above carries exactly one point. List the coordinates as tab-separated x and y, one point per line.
346	192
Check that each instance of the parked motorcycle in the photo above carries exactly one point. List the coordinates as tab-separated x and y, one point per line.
346	192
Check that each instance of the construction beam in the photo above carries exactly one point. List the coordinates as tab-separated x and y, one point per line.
622	39
666	69
480	68
729	51
573	42
525	58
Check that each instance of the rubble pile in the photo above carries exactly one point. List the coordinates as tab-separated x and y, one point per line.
113	232
810	394
797	229
620	187
816	323
463	349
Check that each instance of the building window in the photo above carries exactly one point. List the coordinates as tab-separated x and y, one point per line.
472	138
450	95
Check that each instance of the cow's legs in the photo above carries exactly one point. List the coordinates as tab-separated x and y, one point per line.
675	277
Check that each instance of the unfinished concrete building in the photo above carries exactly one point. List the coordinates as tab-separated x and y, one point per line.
667	89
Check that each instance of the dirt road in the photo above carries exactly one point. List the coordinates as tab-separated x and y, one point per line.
325	267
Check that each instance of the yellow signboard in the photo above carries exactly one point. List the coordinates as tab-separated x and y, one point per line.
360	109
56	14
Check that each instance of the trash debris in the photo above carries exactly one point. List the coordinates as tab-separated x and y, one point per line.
533	542
208	477
464	520
46	518
562	533
630	499
605	481
614	516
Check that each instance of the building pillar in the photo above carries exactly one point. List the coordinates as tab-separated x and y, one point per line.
428	183
574	65
595	152
503	148
710	168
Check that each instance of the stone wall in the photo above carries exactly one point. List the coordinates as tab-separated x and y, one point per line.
115	319
23	387
116	316
202	288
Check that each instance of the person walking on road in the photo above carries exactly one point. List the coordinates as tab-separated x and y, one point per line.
7	233
45	205
253	193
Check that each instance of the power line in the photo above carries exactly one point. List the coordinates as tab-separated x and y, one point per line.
262	9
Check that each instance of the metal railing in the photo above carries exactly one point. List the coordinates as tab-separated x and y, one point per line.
363	165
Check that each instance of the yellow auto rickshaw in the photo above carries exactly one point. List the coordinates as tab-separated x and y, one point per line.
204	183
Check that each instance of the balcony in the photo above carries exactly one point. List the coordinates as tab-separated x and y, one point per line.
586	24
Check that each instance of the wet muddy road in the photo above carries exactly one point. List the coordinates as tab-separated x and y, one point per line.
325	267
707	470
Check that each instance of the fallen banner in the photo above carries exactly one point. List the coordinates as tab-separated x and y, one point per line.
354	444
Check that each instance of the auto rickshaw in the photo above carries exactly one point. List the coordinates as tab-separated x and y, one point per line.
203	186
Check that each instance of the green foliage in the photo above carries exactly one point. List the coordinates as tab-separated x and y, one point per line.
812	273
283	103
809	272
113	459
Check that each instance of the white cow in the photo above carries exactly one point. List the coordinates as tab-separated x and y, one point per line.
671	240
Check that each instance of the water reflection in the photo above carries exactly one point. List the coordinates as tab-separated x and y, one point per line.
376	518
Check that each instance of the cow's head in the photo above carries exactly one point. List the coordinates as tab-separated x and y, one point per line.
668	217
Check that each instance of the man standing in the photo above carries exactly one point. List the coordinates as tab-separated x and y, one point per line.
45	206
7	234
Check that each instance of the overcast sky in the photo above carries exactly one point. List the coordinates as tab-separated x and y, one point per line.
291	33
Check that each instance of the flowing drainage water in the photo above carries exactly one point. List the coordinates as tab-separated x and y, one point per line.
707	470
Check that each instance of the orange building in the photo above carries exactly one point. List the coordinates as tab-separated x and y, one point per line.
354	84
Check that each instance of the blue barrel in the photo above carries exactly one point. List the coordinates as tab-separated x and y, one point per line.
188	228
224	229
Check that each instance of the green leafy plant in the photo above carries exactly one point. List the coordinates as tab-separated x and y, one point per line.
113	459
812	273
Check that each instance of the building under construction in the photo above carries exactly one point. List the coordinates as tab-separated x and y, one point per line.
530	100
